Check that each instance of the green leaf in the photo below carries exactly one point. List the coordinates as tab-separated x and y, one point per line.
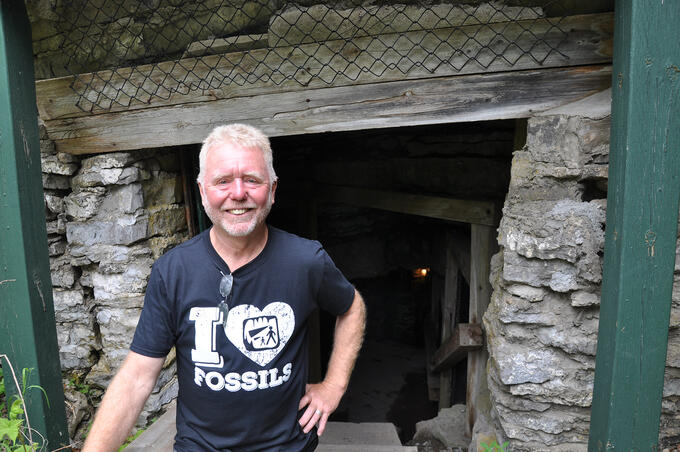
10	428
16	410
22	448
43	391
25	375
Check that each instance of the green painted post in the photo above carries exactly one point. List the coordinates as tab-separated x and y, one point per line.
27	326
642	219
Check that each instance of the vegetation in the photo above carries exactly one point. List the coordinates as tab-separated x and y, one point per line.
495	447
16	434
130	439
75	384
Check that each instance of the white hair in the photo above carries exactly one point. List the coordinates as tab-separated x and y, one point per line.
242	135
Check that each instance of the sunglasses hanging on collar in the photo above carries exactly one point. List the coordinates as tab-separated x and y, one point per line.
226	283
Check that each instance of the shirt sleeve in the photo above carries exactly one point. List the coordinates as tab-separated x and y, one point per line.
155	333
336	293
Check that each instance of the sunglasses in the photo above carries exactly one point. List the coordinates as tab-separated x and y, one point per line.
226	283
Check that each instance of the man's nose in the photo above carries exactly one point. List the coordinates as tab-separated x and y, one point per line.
238	190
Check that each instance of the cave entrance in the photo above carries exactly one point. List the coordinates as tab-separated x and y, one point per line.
409	215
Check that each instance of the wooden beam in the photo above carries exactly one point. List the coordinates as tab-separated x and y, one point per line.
449	308
461	253
28	336
466	337
461	210
642	228
473	49
188	182
460	174
430	333
483	244
394	104
231	44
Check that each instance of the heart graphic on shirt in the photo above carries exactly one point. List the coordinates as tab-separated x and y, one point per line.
260	334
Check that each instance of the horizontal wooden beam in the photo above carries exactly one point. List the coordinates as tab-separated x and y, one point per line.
461	210
466	337
460	174
394	104
472	49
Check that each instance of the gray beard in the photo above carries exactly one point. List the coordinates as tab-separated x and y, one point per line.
235	230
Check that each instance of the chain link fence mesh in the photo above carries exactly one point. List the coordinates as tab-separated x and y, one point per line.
124	52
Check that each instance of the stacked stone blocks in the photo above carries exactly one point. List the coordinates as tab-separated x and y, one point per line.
542	322
109	217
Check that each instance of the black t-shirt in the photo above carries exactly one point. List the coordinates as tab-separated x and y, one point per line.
239	386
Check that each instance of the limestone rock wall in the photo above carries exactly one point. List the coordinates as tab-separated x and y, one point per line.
109	217
542	322
80	36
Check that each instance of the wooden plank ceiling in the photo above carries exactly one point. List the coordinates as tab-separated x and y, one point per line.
427	95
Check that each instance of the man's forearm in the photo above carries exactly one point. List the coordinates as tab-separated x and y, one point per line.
349	335
122	403
323	398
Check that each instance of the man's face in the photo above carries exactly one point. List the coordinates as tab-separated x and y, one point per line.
236	192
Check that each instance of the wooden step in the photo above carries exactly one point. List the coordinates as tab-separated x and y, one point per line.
338	437
363	448
159	437
349	433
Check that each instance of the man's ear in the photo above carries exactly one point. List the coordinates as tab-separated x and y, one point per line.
274	185
200	190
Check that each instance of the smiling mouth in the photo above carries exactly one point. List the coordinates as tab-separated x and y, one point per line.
238	211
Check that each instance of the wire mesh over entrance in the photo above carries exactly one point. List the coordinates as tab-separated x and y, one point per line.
130	52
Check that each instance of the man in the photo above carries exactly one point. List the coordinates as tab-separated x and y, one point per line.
234	301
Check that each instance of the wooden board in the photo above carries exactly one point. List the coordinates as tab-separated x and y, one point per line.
483	244
461	210
461	253
160	436
28	337
465	338
497	47
430	334
641	234
449	309
394	104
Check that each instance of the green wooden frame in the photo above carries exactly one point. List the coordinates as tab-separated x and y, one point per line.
642	227
27	324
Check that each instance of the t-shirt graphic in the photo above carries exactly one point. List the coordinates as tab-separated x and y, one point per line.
260	334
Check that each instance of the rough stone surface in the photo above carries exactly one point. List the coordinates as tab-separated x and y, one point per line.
322	22
83	204
541	325
62	272
100	210
166	219
77	407
448	427
159	245
52	164
124	32
163	189
55	182
117	326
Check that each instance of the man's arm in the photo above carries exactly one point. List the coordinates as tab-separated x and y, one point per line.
323	398
122	403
